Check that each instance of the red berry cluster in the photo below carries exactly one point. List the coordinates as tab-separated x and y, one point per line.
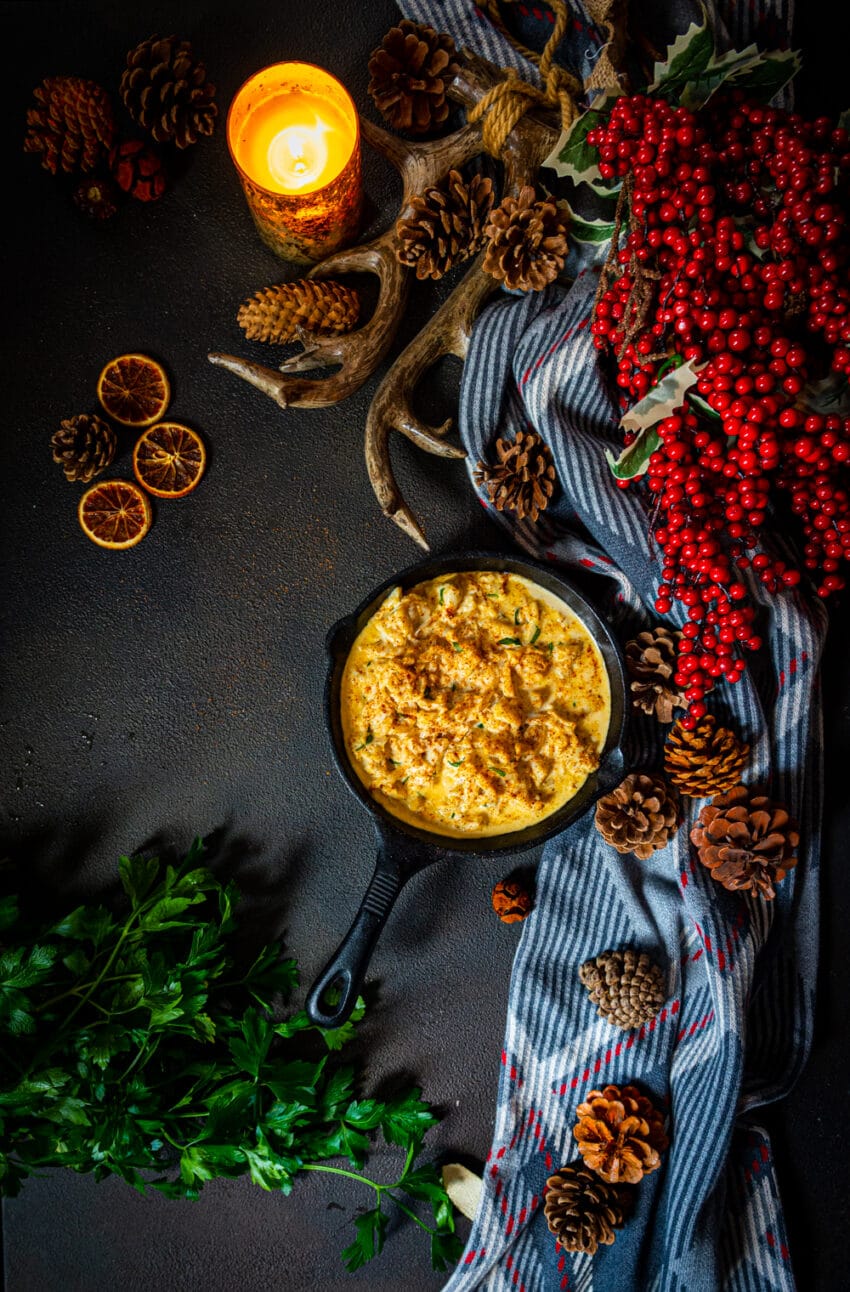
737	220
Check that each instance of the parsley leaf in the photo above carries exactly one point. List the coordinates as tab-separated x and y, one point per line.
134	1042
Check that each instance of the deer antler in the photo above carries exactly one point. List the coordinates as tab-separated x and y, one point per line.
449	330
360	352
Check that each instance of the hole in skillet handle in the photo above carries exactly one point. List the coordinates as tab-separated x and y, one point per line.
334	994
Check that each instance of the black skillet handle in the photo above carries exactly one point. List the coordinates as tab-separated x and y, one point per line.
347	967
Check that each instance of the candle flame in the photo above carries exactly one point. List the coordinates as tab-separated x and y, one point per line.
298	155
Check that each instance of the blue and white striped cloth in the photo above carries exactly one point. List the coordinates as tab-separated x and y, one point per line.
735	1030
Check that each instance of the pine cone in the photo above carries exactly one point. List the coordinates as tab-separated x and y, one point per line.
620	1134
651	663
583	1211
445	226
84	446
71	124
275	314
626	986
409	73
746	841
166	92
511	900
527	241
523	480
97	198
138	169
639	816
705	761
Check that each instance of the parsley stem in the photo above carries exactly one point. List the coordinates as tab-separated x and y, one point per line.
380	1189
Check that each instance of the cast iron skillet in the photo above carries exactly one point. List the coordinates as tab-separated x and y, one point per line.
403	849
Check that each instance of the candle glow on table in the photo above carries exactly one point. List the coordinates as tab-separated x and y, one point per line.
294	137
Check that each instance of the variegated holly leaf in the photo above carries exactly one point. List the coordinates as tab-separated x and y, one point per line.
687	58
590	231
573	158
666	396
829	395
634	460
693	70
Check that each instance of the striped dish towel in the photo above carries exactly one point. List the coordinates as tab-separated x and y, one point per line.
735	1030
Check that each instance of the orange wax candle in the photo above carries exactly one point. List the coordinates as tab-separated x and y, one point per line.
294	136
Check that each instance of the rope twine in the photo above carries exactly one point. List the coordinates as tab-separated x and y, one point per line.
508	102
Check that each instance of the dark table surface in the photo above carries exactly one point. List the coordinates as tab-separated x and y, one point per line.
175	690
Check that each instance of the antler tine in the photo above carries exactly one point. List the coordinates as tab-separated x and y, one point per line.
360	352
447	333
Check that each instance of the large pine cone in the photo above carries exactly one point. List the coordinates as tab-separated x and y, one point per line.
620	1134
583	1211
445	225
639	816
166	92
746	841
84	446
523	480
651	664
409	73
705	761
627	987
527	241
71	125
276	314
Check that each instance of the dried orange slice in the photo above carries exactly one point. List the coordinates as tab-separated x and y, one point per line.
169	460
134	390
115	513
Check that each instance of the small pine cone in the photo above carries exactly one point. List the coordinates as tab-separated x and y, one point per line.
511	900
527	241
445	225
165	90
138	169
409	73
651	664
705	761
71	125
583	1211
523	480
275	314
639	816
620	1134
84	446
97	198
746	841
627	987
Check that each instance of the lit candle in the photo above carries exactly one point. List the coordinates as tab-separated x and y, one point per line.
294	136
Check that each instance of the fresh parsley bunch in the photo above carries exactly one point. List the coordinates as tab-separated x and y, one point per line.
134	1045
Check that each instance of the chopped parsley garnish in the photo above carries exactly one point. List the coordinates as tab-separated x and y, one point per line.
492	596
535	635
442	591
509	641
457	646
367	741
453	764
516	615
500	771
